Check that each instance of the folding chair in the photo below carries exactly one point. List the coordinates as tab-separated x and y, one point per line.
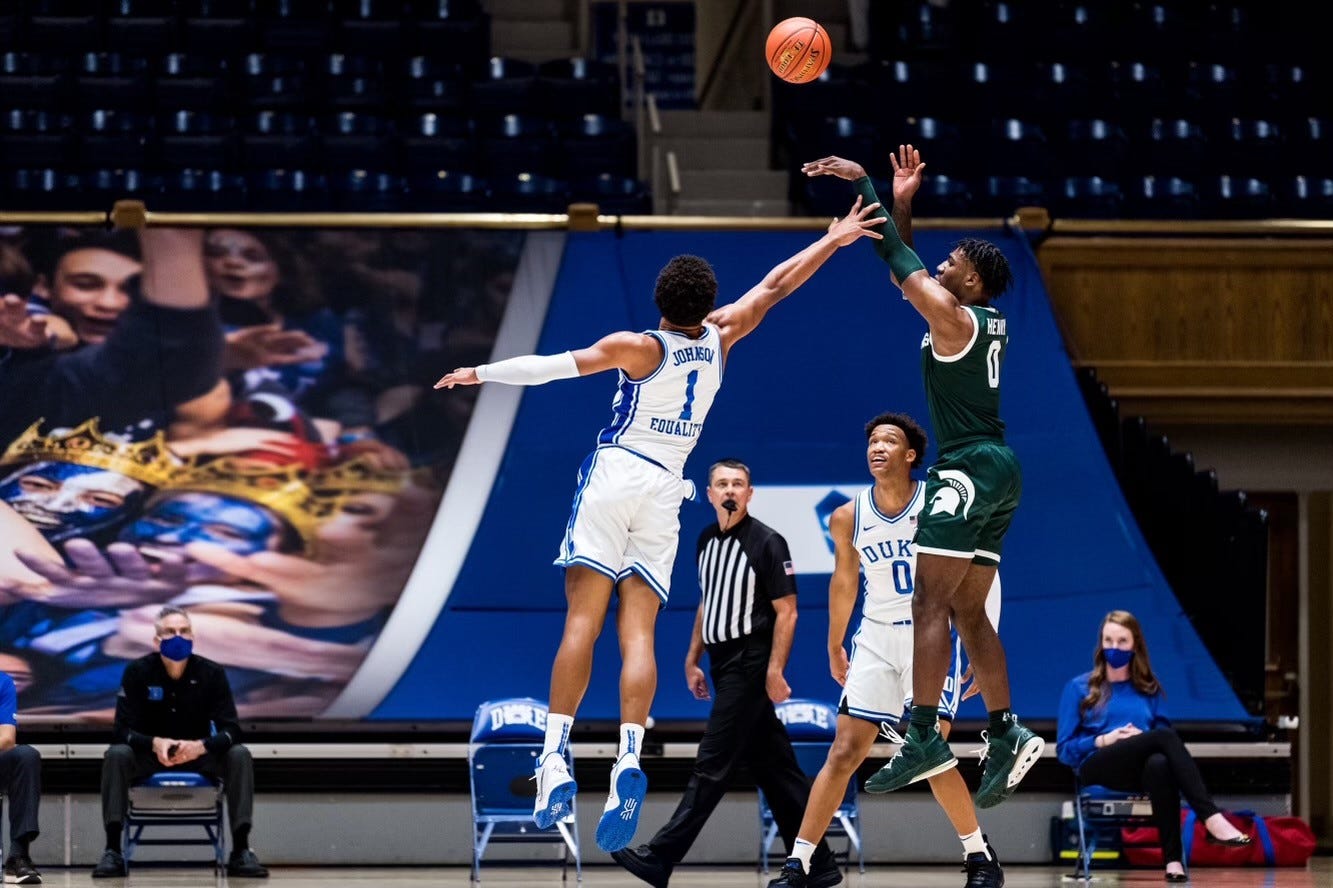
1100	813
175	799
502	756
812	725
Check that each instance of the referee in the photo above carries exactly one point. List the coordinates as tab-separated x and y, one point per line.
746	620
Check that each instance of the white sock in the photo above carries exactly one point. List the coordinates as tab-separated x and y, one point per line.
557	733
802	851
631	740
974	843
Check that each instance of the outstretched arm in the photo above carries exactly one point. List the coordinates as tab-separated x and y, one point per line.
907	172
950	323
635	353
738	320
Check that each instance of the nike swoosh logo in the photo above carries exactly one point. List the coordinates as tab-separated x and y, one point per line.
864	529
1018	742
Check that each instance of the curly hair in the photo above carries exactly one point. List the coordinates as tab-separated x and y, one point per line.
686	290
991	266
916	436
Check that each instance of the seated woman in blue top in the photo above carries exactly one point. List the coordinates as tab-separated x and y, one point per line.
1113	731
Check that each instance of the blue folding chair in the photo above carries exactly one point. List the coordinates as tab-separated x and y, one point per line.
502	756
1100	813
812	725
175	799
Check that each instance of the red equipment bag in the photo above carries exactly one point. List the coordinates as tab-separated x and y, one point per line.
1277	841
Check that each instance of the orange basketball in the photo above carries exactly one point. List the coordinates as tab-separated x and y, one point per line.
798	49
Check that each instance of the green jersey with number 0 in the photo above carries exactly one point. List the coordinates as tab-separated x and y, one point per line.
963	390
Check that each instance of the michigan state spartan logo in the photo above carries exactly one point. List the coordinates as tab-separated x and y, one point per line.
960	492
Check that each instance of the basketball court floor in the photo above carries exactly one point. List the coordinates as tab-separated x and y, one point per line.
1318	875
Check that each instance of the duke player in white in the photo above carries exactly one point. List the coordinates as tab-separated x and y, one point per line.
872	536
624	525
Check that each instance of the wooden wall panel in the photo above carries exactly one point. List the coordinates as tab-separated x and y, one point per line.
1200	330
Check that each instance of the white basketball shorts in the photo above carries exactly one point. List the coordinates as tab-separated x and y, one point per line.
879	680
625	519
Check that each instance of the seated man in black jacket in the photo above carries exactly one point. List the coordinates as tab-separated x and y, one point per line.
175	711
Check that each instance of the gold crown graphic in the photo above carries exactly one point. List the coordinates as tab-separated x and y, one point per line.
359	475
149	462
283	489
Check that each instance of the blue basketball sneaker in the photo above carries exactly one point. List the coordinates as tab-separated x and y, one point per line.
621	817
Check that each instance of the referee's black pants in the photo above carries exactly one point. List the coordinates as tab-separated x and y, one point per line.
741	727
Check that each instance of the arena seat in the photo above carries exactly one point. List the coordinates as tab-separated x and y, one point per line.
141	26
1307	197
505	745
112	80
365	191
528	193
354	82
592	144
369	26
275	139
446	190
194	81
1087	197
508	86
812	725
37	77
515	144
579	86
111	138
614	194
208	25
63	26
194	139
174	799
436	141
34	138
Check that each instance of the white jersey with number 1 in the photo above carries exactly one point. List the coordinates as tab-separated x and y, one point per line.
660	416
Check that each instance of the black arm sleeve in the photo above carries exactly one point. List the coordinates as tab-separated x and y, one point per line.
129	711
154	360
226	728
774	571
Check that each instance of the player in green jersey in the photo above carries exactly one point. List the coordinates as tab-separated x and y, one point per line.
971	491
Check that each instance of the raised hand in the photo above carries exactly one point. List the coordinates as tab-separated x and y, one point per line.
856	224
907	168
461	376
18	328
118	577
834	166
268	345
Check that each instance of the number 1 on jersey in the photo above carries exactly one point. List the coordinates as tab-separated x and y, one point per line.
690	380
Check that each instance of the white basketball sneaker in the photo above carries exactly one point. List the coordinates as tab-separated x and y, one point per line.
555	790
621	817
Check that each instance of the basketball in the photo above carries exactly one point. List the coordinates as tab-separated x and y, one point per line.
798	49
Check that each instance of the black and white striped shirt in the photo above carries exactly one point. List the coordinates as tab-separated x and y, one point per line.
741	572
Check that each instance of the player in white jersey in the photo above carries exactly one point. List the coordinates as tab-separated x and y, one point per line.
624	525
872	535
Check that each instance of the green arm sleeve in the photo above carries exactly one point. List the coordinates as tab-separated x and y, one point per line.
901	258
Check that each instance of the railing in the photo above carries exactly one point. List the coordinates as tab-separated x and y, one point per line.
135	213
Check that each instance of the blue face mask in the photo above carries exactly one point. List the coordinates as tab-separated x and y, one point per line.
1117	658
176	648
